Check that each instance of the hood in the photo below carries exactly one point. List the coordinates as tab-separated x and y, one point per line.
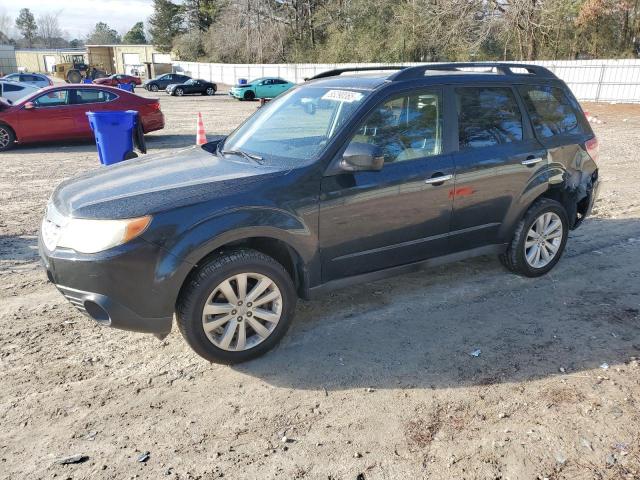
155	183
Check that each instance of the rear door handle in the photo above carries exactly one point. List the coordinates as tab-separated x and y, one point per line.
532	161
438	179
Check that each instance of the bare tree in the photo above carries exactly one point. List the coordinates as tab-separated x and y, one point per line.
49	29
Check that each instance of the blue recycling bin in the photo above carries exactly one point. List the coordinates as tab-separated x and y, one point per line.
114	134
126	86
87	80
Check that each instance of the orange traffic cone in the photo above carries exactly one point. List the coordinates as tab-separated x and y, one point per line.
201	138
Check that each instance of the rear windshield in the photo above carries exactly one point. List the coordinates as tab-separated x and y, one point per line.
550	110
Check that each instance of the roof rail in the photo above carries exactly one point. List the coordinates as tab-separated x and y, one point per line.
501	68
338	71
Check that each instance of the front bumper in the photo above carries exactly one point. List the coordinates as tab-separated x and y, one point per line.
117	288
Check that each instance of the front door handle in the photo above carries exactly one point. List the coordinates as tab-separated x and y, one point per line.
531	161
438	179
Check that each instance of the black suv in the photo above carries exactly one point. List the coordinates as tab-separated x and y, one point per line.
343	179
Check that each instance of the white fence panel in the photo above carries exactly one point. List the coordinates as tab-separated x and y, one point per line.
590	80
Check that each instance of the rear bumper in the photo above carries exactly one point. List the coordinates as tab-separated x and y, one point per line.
152	121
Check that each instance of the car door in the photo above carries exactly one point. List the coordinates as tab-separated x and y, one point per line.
51	117
497	157
265	88
400	214
85	100
193	87
165	80
280	86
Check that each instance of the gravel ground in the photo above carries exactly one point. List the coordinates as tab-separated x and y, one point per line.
374	382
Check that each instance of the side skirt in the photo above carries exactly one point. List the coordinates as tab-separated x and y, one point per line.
340	283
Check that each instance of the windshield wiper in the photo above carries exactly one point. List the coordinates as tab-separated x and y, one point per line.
250	156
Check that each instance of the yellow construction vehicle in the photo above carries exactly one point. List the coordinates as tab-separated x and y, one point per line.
74	69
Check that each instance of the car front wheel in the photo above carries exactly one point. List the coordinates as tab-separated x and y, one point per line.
153	87
179	92
7	138
236	307
539	239
249	95
210	91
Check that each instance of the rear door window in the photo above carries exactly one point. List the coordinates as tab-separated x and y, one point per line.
487	116
92	96
550	110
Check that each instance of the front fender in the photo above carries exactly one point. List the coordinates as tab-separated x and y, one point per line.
184	250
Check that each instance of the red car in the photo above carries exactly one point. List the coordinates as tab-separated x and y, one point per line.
114	80
59	113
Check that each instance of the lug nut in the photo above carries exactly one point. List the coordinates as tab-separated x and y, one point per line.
249	304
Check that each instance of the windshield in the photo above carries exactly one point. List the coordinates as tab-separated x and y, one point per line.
297	125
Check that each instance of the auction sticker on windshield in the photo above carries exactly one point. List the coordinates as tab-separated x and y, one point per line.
342	96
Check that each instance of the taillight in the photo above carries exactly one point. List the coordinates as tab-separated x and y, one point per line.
592	148
155	106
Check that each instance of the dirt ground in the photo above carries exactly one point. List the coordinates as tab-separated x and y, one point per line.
374	382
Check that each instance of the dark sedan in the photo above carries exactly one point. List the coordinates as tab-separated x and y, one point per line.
192	86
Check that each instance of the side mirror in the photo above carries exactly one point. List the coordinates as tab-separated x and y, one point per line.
362	157
29	106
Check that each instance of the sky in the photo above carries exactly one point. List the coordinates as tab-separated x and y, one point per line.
79	16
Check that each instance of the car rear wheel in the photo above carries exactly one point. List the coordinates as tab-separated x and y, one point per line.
249	95
210	91
7	138
153	87
179	92
236	307
539	240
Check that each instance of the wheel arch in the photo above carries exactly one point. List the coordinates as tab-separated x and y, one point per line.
277	248
13	130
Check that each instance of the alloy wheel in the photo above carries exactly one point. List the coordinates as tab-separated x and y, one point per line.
210	91
543	240
5	138
242	311
179	92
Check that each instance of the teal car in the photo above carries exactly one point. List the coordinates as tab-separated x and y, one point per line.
266	87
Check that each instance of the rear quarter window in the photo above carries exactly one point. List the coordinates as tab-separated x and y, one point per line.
550	111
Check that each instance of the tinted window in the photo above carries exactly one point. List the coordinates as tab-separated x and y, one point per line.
487	116
406	127
53	99
93	96
12	88
550	111
279	81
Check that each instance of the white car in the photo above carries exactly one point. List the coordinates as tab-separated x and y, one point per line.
35	79
13	91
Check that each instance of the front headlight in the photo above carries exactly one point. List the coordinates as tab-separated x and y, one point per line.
92	236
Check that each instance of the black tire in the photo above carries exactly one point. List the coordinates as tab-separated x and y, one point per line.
74	76
514	258
153	87
179	92
210	91
7	137
249	95
202	283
